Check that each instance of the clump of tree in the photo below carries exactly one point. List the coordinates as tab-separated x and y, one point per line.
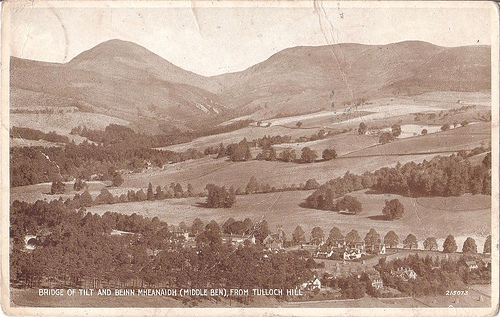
57	187
288	155
350	204
329	154
362	128
441	177
32	134
311	184
445	127
79	185
308	155
393	209
396	130
386	137
220	197
239	151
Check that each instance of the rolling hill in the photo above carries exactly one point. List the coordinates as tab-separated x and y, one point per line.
120	79
308	79
124	80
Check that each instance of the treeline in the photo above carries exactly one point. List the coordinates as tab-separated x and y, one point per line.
241	151
441	176
32	165
115	134
32	134
77	249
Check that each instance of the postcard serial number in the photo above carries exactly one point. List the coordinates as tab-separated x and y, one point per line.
461	293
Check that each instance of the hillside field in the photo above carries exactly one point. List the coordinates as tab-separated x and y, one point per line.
424	217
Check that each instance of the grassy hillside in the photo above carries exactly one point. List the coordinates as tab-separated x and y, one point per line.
422	217
300	76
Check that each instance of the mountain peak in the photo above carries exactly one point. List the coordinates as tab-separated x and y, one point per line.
114	48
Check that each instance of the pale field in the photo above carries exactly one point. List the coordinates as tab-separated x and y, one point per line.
423	217
250	132
384	111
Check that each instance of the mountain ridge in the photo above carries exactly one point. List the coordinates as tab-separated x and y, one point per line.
136	83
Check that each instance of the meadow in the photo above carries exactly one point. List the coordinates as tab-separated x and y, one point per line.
423	217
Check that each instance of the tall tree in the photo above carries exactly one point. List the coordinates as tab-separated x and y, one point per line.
487	245
450	245
410	242
469	246
252	186
430	243
352	237
261	230
335	236
372	238
391	239
317	235
150	194
197	226
298	235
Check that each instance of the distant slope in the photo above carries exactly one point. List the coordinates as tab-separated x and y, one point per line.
302	79
120	79
127	81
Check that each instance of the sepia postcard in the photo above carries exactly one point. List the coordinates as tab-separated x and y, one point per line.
253	158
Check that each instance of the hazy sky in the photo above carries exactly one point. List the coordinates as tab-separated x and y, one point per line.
210	41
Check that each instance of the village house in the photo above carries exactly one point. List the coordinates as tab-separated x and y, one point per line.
378	248
375	279
274	241
352	254
324	252
312	285
472	265
405	274
237	240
